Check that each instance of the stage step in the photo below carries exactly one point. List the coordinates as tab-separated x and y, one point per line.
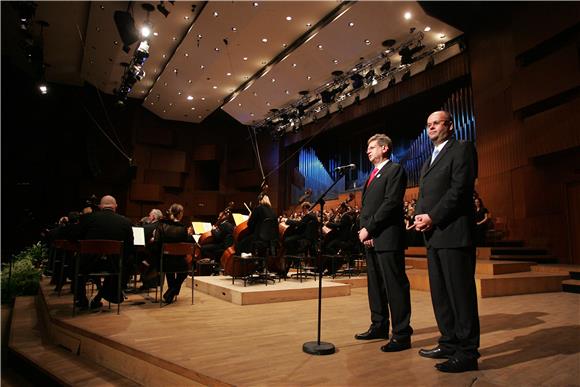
506	243
26	340
483	266
570	270
515	257
500	284
571	286
514	250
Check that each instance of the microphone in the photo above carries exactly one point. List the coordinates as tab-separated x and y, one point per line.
345	168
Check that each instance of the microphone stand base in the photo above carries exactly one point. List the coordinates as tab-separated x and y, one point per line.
318	348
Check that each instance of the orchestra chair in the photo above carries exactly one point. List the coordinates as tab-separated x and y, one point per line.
174	251
99	258
305	260
265	247
63	255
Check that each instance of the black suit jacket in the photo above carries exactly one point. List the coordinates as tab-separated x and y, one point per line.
446	194
382	208
107	224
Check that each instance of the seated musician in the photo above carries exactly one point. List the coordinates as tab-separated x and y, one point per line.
223	237
256	220
171	230
305	234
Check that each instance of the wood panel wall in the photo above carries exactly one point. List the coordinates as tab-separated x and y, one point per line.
526	83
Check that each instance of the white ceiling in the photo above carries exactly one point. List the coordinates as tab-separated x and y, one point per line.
83	44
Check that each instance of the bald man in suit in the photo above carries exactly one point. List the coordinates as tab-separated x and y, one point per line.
383	234
445	215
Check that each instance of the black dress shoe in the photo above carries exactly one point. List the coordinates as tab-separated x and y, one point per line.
169	296
82	303
437	353
95	304
456	365
396	345
372	334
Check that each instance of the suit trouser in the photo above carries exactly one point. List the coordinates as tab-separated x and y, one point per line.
452	282
388	288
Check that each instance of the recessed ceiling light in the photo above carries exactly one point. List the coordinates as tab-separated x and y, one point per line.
156	34
255	94
199	36
216	49
309	77
264	40
427	29
252	114
214	87
228	74
163	56
351	24
245	58
289	18
189	97
186	55
152	103
192	108
287	91
234	29
284	45
407	15
179	93
239	104
203	98
215	14
255	4
170	103
294	65
116	43
202	67
367	42
273	80
319	46
164	111
335	61
174	38
189	81
267	103
308	24
165	84
199	117
102	7
175	70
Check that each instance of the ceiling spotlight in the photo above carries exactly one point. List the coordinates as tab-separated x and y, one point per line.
43	88
289	18
161	8
189	97
264	40
427	29
255	4
351	24
367	42
215	14
407	15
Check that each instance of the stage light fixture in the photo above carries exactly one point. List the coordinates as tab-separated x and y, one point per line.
357	81
126	28
161	8
386	67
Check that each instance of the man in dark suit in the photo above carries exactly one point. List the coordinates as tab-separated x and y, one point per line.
383	234
108	225
444	214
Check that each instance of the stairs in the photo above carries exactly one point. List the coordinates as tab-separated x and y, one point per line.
28	342
508	268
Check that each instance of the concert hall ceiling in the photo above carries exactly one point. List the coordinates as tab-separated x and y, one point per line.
246	58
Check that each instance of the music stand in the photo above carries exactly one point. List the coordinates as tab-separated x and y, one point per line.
320	347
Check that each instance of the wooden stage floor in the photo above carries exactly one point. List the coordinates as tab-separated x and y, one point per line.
527	340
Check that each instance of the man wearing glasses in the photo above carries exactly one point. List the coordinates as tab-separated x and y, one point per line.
444	214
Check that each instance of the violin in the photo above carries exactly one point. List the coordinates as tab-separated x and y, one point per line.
340	210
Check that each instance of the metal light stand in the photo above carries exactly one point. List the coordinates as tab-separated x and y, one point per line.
320	347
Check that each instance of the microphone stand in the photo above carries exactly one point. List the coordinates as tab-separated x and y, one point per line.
320	347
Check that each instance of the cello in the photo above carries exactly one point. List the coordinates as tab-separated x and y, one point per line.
207	237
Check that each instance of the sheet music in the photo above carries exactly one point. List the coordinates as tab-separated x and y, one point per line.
138	236
201	227
196	237
239	218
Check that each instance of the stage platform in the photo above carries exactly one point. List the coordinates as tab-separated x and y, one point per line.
259	293
526	340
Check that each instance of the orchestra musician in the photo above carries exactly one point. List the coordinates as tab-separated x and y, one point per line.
305	234
256	221
222	237
339	235
172	230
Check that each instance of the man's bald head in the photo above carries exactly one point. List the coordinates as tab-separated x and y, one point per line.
109	202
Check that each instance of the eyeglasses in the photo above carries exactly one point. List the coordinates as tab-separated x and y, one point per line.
435	123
